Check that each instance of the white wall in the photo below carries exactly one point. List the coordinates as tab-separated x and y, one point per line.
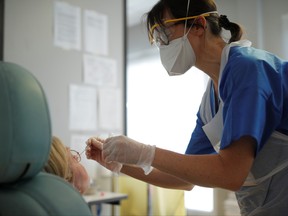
28	41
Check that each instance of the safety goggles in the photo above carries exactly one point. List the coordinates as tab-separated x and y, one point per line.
159	34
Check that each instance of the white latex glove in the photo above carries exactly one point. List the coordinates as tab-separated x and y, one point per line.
127	151
94	152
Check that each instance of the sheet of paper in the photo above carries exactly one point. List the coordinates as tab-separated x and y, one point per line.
100	71
67	26
78	144
83	107
110	109
95	32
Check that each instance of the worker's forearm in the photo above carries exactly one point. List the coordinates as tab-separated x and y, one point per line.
189	167
205	170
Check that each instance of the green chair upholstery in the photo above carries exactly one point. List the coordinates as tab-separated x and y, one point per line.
25	138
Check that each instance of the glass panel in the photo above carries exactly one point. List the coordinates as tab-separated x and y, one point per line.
199	199
162	110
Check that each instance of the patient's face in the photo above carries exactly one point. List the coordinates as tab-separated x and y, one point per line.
80	175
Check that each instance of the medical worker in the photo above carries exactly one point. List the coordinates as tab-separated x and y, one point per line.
240	141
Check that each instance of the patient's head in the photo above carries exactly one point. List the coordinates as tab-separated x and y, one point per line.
61	162
80	177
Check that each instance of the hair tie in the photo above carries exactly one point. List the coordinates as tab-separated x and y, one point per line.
224	22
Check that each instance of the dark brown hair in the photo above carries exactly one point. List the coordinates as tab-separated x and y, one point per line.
178	9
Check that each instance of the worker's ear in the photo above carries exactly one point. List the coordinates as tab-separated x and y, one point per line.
199	25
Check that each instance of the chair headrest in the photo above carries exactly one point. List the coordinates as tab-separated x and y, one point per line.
25	128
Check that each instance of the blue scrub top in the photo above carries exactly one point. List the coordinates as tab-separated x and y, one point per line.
254	89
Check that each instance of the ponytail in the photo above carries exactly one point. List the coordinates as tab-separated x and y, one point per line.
234	28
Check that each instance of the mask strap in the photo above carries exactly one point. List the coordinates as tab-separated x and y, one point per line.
187	32
187	12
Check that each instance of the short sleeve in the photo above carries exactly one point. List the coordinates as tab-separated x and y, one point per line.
245	114
250	107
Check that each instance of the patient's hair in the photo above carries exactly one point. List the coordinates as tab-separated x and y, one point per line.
58	162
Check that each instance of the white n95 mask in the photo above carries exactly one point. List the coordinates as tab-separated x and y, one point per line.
178	56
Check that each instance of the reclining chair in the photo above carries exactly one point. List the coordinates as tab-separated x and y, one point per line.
25	137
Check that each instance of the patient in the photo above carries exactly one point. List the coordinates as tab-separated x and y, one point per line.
64	162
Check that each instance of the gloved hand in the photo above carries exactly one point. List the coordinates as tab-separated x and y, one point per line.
94	152
127	151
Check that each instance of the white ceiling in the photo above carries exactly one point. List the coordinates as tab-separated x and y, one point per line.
136	9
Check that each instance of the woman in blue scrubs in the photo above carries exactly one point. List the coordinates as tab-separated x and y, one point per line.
240	142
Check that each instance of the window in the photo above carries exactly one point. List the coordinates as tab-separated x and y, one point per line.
162	110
